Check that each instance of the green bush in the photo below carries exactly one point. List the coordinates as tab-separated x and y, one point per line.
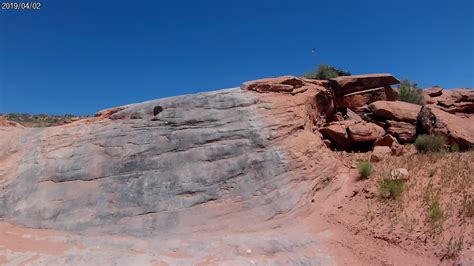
365	168
326	72
410	93
391	188
454	147
429	143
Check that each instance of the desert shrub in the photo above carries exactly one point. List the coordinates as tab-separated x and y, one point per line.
429	143
435	212
410	93
365	168
454	147
391	188
326	72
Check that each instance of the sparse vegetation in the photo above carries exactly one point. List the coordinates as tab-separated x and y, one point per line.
429	143
454	248
432	208
326	72
454	147
41	120
435	212
410	93
365	168
391	188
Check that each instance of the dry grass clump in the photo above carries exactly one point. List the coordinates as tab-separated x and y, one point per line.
391	189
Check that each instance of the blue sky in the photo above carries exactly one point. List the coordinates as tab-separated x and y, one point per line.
83	56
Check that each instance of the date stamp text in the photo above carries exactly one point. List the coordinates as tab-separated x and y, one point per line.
21	5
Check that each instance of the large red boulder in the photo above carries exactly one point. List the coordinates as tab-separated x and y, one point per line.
365	132
398	111
336	132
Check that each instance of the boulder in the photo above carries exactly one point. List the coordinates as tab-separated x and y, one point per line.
390	141
360	98
386	140
379	153
337	133
457	130
399	173
399	111
397	149
348	84
433	91
365	132
405	132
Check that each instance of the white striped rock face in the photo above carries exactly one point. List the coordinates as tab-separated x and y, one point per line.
210	176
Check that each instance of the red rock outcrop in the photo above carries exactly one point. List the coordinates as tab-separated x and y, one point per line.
285	84
451	100
143	181
139	184
354	92
438	122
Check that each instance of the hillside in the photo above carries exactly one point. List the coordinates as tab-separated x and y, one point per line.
262	174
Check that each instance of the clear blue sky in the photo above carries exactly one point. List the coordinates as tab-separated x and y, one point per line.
82	56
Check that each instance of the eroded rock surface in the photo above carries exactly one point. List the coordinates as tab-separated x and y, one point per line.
197	173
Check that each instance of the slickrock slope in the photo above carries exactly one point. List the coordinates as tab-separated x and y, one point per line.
206	167
239	176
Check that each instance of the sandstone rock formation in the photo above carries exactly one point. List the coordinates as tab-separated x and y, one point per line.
355	92
453	101
227	177
197	174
